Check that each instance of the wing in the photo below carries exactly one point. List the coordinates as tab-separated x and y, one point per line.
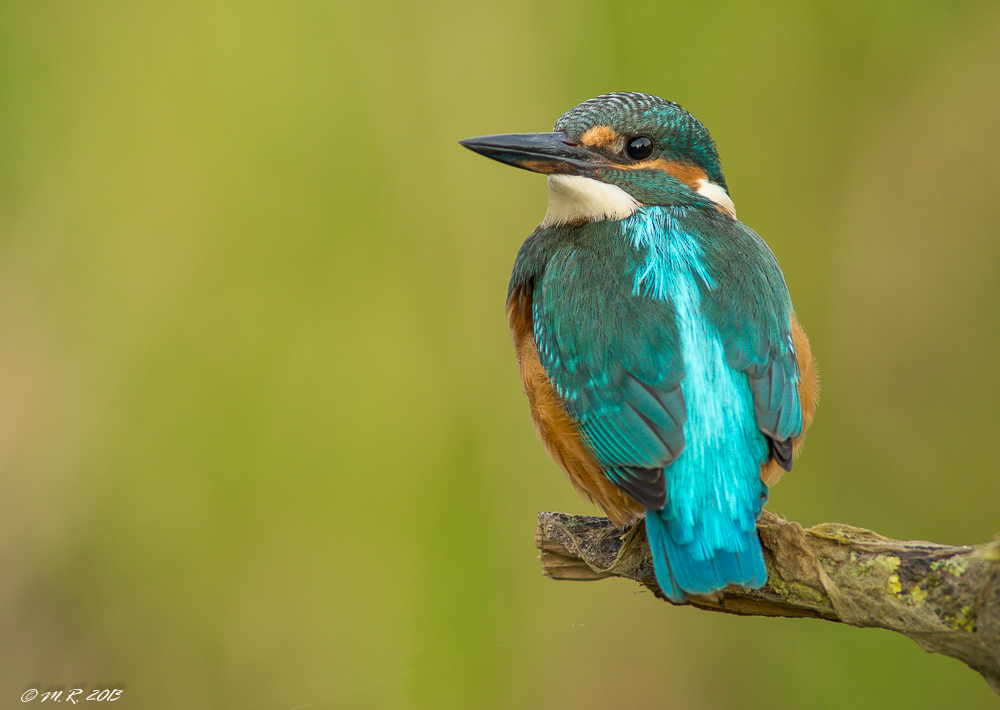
752	311
614	360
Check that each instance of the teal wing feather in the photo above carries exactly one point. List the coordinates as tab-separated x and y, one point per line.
751	310
615	360
608	327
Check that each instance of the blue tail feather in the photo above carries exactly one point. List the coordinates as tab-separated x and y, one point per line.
703	556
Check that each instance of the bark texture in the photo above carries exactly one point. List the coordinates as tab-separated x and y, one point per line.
945	598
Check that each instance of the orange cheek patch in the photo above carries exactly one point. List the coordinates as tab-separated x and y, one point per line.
688	174
599	137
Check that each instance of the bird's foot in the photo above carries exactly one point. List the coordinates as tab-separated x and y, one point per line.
634	550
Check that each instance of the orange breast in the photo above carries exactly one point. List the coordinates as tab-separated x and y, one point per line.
557	430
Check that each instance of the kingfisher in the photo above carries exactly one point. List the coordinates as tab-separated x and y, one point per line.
664	367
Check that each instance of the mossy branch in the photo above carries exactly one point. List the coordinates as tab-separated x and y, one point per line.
947	599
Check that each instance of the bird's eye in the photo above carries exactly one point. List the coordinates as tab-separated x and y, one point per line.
639	148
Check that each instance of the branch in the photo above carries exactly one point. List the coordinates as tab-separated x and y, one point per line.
947	599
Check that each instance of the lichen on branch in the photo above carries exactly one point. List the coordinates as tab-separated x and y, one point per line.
945	598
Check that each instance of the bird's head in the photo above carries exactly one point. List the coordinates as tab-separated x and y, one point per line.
614	152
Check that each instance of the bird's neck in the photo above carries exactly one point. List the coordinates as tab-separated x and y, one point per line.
576	200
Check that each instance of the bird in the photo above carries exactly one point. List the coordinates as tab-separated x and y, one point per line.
665	370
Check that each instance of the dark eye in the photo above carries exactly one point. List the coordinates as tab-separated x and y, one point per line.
639	148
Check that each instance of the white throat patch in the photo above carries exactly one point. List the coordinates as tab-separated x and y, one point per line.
717	195
573	198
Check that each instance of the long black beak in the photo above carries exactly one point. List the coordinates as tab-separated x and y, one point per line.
539	152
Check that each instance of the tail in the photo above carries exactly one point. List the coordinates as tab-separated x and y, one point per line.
706	554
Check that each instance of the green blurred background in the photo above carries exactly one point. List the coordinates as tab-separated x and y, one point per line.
262	436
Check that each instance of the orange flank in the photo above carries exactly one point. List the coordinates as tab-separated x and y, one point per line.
771	472
555	427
